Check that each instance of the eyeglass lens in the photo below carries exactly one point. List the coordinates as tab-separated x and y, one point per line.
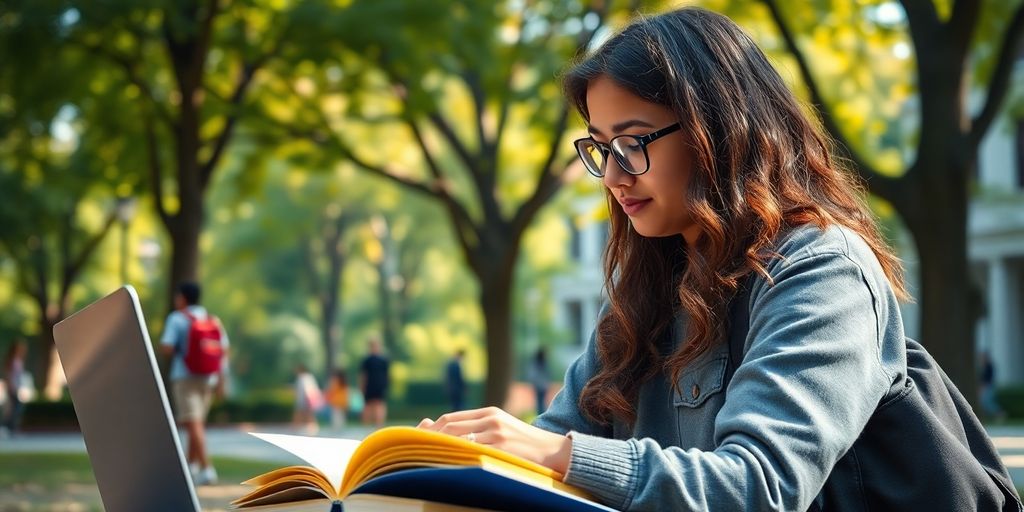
628	151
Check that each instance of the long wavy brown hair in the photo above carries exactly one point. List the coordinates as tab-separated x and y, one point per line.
761	168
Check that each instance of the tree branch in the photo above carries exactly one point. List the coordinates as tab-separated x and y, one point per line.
549	181
550	178
244	80
472	80
402	88
132	74
222	139
463	224
922	17
156	171
1000	84
467	159
311	270
202	47
449	135
460	217
188	57
879	183
75	266
506	99
962	24
21	253
39	264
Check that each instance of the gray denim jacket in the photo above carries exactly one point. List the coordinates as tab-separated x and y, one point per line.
825	344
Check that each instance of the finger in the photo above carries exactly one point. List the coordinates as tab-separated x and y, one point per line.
425	423
478	427
470	414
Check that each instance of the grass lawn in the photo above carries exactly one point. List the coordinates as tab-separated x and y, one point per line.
64	482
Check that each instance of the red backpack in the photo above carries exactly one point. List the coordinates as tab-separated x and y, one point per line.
205	349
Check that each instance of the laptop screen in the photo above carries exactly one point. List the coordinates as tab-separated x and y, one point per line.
122	407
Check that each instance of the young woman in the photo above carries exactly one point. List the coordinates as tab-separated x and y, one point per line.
718	186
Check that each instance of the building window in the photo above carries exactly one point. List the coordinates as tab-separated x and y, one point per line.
575	242
575	314
1019	144
604	228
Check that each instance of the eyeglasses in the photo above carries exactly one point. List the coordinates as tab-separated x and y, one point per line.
630	151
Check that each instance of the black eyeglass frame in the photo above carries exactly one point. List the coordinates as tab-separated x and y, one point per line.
642	140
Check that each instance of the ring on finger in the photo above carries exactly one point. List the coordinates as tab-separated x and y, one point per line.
471	437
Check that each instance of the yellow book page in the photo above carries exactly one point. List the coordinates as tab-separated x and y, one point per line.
286	472
409	439
281	491
329	455
405	454
395	466
285	478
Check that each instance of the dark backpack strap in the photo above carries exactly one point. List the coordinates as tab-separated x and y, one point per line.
739	325
936	423
957	414
181	346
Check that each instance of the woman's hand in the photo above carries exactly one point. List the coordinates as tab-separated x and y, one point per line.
495	427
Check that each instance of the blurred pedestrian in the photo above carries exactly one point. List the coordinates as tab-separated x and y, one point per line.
374	379
198	346
537	375
987	389
308	399
14	368
454	382
338	397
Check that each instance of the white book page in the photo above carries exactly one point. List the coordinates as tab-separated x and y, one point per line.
329	455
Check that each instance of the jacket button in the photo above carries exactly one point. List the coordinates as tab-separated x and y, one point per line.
695	392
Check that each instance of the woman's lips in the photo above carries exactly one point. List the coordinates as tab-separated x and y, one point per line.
632	206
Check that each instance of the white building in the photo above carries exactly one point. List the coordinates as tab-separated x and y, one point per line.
996	240
578	293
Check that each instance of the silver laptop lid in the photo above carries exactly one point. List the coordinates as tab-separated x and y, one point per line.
122	407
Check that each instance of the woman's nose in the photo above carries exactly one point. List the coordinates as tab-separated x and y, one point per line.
615	176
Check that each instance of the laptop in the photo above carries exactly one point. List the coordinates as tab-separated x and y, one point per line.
122	407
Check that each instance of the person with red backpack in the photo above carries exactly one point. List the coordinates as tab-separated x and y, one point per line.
198	345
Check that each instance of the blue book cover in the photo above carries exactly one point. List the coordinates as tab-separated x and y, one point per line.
471	486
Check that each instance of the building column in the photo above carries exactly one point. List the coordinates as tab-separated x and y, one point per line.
1003	303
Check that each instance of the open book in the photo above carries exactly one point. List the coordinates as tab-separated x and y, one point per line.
409	469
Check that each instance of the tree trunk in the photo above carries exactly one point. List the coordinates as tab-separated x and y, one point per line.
496	301
329	332
936	213
388	321
940	236
186	225
45	362
185	231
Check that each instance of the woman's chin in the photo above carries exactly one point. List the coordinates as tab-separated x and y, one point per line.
649	231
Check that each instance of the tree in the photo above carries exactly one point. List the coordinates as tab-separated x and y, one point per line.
58	175
187	67
932	194
457	77
50	246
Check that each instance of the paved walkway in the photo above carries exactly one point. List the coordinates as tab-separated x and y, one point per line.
234	441
1009	440
224	441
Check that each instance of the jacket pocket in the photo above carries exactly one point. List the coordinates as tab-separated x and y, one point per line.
697	385
697	401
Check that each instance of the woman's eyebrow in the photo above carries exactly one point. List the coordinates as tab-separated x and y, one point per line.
619	127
